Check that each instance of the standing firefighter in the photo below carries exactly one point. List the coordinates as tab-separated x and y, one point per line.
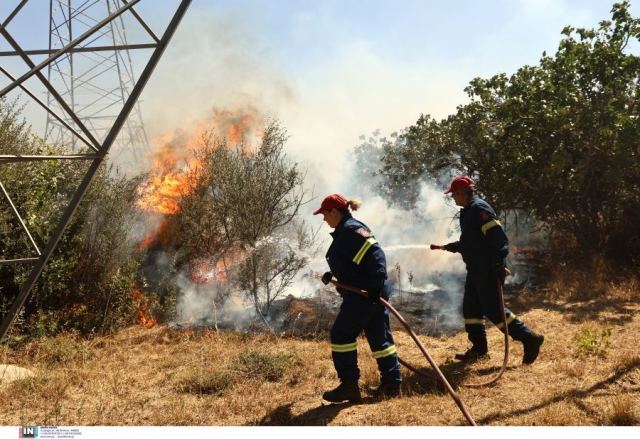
484	247
356	259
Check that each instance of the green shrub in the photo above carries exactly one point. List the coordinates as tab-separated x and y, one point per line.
263	366
594	342
210	383
87	283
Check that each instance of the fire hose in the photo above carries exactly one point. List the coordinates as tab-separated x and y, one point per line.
506	334
413	335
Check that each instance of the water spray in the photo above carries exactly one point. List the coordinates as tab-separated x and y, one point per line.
406	247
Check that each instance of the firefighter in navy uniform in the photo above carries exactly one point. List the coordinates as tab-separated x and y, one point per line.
356	259
484	247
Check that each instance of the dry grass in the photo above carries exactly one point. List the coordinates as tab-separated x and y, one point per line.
595	280
162	376
623	411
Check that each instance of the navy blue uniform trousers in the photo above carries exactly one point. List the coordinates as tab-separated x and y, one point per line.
480	300
359	314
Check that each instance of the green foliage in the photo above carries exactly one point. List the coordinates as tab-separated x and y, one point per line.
263	366
594	342
560	140
214	383
395	181
61	351
86	284
44	323
247	194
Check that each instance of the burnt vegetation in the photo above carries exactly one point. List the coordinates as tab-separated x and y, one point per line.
239	216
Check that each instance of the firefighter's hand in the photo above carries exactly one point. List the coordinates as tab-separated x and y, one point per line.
451	247
374	296
501	272
326	278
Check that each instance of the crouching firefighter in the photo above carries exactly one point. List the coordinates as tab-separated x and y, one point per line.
484	247
356	259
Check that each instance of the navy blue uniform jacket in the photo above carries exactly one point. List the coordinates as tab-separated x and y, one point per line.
483	242
356	259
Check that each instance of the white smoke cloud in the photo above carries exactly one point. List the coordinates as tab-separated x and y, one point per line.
199	304
406	234
325	110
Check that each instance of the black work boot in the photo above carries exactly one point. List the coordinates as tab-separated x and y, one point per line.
474	353
387	390
532	347
346	391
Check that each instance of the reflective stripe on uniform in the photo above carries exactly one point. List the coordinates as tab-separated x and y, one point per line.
368	243
474	321
385	352
510	318
344	347
491	224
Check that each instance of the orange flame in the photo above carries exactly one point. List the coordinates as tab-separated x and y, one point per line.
161	194
221	271
175	161
175	165
143	317
204	271
168	181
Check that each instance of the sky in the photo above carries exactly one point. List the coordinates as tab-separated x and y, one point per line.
332	70
329	70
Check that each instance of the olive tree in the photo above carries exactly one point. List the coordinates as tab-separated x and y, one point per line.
243	208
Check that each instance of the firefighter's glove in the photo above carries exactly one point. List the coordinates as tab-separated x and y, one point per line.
374	295
326	278
452	247
501	272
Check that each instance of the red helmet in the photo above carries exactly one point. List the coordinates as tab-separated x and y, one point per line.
460	182
333	201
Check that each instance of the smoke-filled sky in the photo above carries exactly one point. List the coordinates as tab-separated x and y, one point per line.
332	70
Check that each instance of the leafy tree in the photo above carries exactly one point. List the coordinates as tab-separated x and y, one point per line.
559	140
87	283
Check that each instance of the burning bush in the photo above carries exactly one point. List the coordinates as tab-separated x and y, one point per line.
229	215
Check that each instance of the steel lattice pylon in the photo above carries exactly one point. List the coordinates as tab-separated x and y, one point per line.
95	84
93	146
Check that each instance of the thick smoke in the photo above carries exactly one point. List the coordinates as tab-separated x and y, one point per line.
431	280
201	305
230	68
